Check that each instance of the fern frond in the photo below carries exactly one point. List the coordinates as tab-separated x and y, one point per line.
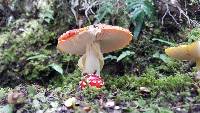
135	7
138	10
104	10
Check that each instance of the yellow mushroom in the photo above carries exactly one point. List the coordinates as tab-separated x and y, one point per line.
189	52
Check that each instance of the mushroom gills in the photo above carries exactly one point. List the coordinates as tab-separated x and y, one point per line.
92	61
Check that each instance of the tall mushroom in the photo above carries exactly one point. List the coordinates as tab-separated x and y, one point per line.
189	52
91	42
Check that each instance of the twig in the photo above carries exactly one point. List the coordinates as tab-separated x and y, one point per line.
184	14
168	12
74	4
164	16
90	8
87	6
181	11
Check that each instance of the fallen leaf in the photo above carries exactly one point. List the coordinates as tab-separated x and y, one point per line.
109	104
70	102
87	109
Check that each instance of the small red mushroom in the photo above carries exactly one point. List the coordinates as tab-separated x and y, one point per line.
93	80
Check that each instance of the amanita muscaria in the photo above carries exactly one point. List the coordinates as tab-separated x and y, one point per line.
91	42
189	52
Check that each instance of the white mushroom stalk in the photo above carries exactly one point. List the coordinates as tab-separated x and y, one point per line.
92	61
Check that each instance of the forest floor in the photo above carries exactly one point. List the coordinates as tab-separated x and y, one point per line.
36	78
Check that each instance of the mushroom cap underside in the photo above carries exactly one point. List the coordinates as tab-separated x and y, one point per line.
110	38
185	52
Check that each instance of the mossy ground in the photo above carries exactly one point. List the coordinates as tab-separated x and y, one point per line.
168	84
138	78
174	93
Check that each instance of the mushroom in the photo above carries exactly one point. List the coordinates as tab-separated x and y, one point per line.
91	42
189	52
15	97
92	80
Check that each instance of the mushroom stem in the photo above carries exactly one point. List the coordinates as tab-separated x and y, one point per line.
198	64
92	61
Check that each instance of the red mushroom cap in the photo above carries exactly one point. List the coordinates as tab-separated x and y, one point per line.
111	38
93	80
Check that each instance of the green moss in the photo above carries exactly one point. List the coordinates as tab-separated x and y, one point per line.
3	92
126	96
193	35
151	80
90	93
28	52
4	37
67	82
173	83
124	82
148	78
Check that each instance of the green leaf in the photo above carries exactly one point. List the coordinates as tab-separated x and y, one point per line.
139	9
136	13
40	56
124	54
140	103
137	29
132	3
148	8
149	110
156	55
162	57
57	67
31	91
164	110
105	10
165	58
133	6
110	57
164	41
7	108
2	93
